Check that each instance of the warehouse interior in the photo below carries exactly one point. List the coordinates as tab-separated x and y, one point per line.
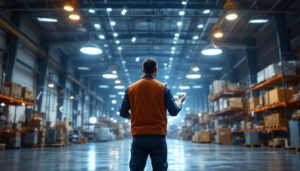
65	66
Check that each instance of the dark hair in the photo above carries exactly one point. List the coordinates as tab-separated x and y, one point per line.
149	66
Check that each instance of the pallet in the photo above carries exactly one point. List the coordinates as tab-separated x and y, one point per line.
293	148
253	145
31	146
2	146
54	145
276	146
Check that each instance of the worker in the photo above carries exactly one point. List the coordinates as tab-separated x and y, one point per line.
149	100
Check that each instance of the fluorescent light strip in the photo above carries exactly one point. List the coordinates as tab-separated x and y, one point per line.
50	20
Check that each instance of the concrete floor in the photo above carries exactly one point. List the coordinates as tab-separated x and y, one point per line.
183	155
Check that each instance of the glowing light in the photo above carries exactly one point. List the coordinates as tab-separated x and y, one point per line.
50	20
196	37
71	97
110	76
112	23
200	26
218	34
68	8
92	11
91	49
108	9
193	76
118	81
93	120
258	21
74	17
133	39
124	11
179	23
50	85
101	36
181	13
207	11
231	16
119	87
212	51
196	69
114	101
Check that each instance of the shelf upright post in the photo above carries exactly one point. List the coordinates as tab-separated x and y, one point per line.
284	52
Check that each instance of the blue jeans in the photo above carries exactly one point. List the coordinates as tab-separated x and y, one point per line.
153	145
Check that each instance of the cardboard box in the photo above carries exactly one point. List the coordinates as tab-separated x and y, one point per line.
266	98
83	140
234	87
15	89
249	125
224	136
27	94
277	95
218	86
39	124
278	120
205	137
235	102
253	103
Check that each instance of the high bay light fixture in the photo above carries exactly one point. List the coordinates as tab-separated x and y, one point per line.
91	49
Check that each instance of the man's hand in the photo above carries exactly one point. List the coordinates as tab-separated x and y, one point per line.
180	101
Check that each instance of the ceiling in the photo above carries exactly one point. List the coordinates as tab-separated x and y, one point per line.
154	25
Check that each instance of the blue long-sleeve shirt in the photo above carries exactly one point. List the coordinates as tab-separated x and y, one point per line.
172	107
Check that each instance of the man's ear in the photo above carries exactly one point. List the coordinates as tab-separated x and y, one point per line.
143	71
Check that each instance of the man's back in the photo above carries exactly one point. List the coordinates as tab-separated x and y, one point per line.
148	111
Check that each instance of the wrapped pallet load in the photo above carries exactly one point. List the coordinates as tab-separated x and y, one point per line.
235	102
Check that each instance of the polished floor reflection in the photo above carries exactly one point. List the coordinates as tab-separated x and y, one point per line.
183	155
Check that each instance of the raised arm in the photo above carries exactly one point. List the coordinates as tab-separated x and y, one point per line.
172	106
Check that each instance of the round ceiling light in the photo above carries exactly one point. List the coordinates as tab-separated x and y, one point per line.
68	8
212	51
90	49
218	34
195	69
74	17
231	16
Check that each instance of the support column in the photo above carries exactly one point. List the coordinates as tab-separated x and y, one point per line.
252	65
284	50
62	90
12	41
283	38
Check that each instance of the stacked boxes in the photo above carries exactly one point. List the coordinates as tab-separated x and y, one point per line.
62	132
277	95
40	126
275	69
253	103
27	94
224	136
235	102
261	76
15	89
266	99
218	86
205	137
275	120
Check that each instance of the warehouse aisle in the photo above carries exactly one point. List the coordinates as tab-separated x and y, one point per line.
183	155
